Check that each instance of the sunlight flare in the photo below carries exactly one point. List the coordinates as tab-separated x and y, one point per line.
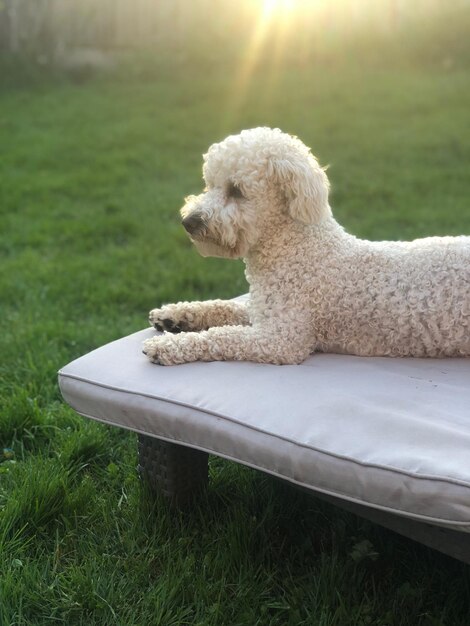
272	26
297	29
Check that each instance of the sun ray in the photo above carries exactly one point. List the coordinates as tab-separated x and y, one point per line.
273	26
281	28
251	59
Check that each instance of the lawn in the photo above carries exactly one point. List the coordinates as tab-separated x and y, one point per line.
92	174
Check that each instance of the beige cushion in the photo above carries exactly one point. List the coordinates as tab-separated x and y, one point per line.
393	434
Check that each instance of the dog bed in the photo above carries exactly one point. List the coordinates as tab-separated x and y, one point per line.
386	438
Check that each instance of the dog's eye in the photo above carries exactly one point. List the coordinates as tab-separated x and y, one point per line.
234	191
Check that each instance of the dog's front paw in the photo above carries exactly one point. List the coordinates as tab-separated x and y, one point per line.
160	350
164	319
172	318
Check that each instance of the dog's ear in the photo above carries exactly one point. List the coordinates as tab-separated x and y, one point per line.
306	187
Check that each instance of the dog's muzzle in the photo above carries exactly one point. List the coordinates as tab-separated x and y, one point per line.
194	223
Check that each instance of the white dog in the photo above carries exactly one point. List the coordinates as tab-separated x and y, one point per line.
313	287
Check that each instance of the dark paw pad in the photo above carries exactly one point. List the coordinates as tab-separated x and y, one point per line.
170	326
153	360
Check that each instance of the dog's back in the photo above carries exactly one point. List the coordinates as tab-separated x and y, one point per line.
400	299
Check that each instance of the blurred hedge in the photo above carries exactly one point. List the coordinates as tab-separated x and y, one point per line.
428	31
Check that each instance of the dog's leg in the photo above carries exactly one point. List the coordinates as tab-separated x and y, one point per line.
229	343
195	316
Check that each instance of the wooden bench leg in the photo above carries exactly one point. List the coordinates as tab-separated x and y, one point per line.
175	471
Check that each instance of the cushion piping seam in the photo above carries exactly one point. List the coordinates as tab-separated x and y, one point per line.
460	483
339	494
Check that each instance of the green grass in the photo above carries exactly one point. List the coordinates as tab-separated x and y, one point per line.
91	177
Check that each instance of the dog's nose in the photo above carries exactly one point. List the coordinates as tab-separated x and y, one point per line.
193	222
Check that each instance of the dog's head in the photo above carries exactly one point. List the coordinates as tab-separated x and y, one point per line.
254	179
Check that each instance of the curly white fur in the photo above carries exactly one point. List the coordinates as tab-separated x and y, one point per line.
313	287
